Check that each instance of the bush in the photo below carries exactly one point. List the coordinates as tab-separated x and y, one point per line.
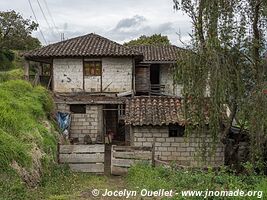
11	75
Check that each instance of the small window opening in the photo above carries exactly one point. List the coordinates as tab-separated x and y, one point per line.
176	130
78	108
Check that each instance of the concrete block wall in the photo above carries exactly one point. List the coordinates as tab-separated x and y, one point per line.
185	151
117	74
62	107
89	123
68	75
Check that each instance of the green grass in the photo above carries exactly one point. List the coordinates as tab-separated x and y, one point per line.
14	74
22	109
183	180
23	126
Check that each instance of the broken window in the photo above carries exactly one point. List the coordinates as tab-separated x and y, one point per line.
176	130
92	68
78	108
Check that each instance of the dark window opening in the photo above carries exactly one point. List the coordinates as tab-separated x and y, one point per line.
176	130
154	74
78	108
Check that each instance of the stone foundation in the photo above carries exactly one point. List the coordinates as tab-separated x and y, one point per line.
183	150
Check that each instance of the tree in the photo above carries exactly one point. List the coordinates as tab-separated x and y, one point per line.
15	32
156	39
227	44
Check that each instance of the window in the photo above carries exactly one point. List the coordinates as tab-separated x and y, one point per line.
92	68
78	108
176	130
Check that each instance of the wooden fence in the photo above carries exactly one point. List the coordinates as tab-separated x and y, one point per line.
122	157
83	158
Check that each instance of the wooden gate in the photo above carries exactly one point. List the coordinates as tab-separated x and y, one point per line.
122	157
83	158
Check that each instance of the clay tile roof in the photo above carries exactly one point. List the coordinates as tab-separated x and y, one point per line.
158	53
154	111
87	45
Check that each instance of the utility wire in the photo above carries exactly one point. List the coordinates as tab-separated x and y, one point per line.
42	11
51	16
37	22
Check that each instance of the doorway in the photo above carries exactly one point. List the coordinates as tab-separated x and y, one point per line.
154	74
113	125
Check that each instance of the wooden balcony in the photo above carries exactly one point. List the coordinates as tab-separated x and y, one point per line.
157	89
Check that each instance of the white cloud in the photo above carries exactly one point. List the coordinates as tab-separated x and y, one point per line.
119	20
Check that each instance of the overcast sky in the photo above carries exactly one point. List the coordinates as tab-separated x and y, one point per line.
119	20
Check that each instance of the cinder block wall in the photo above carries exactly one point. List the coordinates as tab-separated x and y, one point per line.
184	150
89	123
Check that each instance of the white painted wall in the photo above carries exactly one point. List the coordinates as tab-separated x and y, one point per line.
166	78
117	74
92	83
68	75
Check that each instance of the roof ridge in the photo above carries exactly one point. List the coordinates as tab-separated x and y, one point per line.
78	46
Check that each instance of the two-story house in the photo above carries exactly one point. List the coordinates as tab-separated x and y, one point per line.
127	91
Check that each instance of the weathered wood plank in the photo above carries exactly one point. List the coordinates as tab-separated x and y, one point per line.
98	148
133	155
93	168
130	148
81	158
123	162
119	170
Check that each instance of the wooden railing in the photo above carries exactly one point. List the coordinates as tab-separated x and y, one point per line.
157	89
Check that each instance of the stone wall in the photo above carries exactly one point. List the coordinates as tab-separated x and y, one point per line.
166	78
68	75
183	150
89	123
117	74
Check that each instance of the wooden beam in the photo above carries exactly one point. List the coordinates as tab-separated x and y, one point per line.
81	158
66	149
26	69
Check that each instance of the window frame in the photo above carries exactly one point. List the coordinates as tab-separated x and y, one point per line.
85	74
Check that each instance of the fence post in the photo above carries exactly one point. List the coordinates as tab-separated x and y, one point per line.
153	152
111	159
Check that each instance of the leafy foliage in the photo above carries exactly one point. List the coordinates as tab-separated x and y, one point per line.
156	39
15	32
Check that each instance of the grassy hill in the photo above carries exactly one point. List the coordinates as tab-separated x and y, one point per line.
27	138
